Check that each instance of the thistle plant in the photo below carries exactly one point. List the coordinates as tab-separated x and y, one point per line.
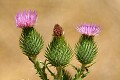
58	52
86	49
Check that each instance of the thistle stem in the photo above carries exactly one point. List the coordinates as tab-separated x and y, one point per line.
40	71
59	75
78	76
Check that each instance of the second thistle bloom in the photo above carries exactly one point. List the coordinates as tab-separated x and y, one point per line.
26	19
89	29
86	48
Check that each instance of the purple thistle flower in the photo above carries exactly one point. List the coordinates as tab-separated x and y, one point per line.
89	29
26	19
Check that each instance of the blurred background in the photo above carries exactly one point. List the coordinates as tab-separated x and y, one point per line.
68	13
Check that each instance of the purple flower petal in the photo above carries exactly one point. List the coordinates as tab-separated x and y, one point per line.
89	29
26	19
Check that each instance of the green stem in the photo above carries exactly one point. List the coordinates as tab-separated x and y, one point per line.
59	75
40	70
78	76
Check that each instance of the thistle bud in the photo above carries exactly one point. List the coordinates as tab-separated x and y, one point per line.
58	31
58	51
30	42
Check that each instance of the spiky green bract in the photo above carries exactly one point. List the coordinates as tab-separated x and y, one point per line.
30	42
86	49
58	52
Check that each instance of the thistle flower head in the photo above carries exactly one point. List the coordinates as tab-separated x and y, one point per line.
89	29
58	31
26	19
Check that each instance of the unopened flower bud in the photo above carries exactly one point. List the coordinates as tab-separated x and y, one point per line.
58	31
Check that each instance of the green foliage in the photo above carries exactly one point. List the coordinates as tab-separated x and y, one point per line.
86	49
58	52
30	42
66	75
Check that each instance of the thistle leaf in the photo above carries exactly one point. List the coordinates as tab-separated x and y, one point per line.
66	75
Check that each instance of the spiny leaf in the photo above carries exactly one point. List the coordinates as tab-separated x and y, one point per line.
66	75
